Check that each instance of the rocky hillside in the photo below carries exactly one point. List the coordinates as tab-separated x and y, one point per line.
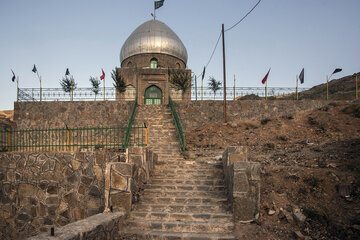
339	89
310	165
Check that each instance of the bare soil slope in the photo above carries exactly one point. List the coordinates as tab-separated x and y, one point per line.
310	163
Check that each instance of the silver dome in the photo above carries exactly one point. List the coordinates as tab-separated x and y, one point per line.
153	37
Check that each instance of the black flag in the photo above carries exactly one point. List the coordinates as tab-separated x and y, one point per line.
13	78
203	74
34	69
158	4
67	72
301	76
337	70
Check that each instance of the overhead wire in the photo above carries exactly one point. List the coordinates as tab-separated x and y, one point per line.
237	23
243	17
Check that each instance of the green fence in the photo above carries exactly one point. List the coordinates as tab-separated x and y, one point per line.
75	139
178	126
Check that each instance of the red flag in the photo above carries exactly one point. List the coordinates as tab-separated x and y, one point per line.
103	75
265	78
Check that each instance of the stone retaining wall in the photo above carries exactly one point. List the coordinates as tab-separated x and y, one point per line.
39	190
194	114
242	179
30	115
104	226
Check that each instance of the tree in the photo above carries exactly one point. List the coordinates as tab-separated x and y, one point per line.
214	85
180	80
68	85
95	83
119	82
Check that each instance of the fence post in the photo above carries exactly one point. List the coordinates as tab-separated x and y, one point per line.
146	137
68	140
9	141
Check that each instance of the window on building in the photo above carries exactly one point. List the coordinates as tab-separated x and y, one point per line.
129	64
177	65
153	63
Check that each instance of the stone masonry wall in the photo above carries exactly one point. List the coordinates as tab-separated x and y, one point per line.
242	179
194	114
30	115
40	190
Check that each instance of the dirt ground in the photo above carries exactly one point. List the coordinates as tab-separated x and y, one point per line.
310	165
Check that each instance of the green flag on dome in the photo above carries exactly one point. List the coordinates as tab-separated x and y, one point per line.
159	4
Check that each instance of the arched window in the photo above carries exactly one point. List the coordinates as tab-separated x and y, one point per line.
129	64
177	65
153	63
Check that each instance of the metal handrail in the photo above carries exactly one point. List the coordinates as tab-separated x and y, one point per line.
129	125
178	126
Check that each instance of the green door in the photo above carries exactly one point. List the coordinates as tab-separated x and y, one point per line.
153	95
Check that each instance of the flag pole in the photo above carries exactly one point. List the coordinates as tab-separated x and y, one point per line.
104	89
297	84
356	82
17	88
266	90
327	87
202	85
224	69
37	72
72	87
234	87
195	88
154	11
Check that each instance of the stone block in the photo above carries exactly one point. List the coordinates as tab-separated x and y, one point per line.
121	201
78	213
26	190
99	158
118	181
135	150
124	169
241	183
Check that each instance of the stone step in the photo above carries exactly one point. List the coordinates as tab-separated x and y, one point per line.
182	165
183	187
214	171
173	181
181	216
193	176
193	208
154	235
179	226
153	193
184	200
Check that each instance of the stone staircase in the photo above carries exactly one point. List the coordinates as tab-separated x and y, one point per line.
186	199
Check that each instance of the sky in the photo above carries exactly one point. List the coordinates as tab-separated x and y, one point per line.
87	35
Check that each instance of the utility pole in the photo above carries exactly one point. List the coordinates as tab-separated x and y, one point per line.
224	66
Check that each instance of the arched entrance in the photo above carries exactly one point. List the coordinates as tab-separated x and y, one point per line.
153	95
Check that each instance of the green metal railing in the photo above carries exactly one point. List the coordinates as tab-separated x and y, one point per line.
132	115
75	139
129	126
178	126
